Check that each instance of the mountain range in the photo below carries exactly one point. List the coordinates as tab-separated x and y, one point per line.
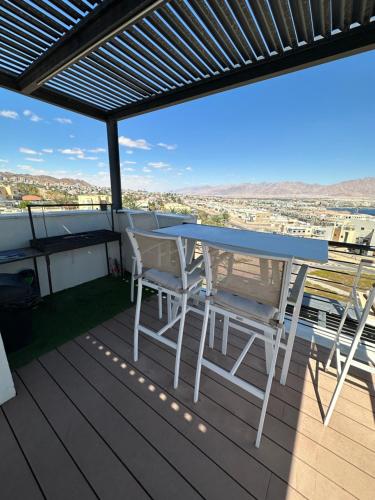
44	179
357	188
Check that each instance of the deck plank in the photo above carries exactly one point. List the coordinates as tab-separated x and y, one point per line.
58	475
17	481
161	480
104	471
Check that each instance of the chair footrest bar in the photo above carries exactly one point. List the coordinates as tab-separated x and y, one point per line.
155	335
248	331
359	364
235	380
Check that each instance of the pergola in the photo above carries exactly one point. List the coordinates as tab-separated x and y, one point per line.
114	59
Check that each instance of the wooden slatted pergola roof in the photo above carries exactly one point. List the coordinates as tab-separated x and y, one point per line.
114	59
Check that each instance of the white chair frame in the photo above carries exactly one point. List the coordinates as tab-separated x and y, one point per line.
361	314
272	335
181	298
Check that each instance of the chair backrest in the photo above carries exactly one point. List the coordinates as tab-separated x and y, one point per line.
156	251
261	278
143	220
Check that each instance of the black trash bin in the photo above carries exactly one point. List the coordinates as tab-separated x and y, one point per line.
19	293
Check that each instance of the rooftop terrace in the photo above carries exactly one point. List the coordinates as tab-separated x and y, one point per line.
88	423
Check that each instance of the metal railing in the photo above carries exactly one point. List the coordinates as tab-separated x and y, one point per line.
328	287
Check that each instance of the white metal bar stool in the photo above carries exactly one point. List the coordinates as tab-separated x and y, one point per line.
161	265
252	290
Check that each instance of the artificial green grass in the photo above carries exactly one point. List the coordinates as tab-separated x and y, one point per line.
64	315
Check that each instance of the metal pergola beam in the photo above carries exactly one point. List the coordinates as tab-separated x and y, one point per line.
107	19
342	45
114	163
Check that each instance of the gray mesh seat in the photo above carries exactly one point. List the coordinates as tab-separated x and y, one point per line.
247	307
170	281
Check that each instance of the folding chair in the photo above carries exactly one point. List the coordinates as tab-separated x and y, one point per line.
161	265
252	290
362	314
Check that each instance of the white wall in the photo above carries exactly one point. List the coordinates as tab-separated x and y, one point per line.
67	268
73	267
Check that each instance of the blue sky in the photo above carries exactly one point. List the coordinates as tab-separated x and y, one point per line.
315	125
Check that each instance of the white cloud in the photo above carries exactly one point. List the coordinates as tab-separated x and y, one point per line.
6	113
189	168
33	116
71	136
47	150
79	154
128	169
158	164
179	173
34	159
28	151
133	143
145	169
129	152
63	121
84	157
169	147
97	150
2	160
72	151
128	162
101	164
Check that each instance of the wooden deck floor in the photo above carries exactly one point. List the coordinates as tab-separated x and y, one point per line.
89	423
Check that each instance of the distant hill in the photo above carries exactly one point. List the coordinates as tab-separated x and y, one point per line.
358	188
44	180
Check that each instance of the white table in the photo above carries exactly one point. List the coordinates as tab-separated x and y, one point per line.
279	245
